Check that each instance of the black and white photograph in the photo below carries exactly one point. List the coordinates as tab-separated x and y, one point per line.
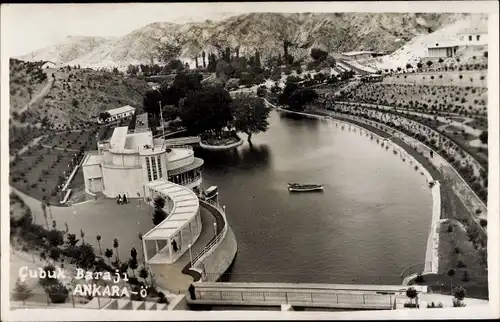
323	160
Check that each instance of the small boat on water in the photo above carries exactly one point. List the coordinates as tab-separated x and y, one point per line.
299	187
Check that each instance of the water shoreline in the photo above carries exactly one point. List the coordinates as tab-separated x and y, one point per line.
431	254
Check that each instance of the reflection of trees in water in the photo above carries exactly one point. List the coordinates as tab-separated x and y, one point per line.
291	119
248	157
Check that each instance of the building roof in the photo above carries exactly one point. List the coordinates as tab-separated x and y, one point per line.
119	110
118	138
92	158
354	53
196	164
186	206
138	140
444	44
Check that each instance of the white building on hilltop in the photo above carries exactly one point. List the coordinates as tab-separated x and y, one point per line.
118	114
129	161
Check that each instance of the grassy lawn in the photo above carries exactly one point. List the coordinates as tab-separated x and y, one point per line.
37	172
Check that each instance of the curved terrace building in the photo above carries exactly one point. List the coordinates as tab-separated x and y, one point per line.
127	162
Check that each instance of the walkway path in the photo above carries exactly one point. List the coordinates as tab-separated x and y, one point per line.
38	96
170	276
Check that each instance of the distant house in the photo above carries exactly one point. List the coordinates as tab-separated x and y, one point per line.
49	64
359	55
446	49
118	114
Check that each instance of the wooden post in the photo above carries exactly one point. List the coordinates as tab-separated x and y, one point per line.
364	302
337	298
73	299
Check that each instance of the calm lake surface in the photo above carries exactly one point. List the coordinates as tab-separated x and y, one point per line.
371	221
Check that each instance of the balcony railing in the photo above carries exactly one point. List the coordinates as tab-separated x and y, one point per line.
207	250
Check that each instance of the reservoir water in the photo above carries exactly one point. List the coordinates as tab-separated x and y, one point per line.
371	221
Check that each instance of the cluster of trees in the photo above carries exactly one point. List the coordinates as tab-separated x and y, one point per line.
295	96
206	109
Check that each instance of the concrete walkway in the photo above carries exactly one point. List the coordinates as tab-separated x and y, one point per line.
170	276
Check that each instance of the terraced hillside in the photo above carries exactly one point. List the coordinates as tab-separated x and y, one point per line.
26	79
464	101
79	94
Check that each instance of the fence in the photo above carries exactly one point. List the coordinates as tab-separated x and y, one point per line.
305	278
297	297
198	259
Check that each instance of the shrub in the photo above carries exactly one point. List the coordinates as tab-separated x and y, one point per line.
465	277
57	292
21	291
420	278
461	264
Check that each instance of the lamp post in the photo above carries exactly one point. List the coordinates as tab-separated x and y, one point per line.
190	256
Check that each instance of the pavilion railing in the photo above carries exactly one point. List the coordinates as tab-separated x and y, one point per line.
207	250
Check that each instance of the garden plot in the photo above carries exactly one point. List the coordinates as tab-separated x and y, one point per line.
450	99
40	171
72	141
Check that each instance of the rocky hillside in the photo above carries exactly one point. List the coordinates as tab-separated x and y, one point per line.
416	49
336	32
69	49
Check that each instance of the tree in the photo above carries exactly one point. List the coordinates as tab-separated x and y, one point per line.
159	202
318	54
98	237
21	291
132	263
71	240
450	274
103	116
44	210
55	253
143	273
166	51
132	70
54	238
86	256
419	65
459	295
203	57
54	224
250	115
484	137
82	234
411	293
158	216
115	246
108	253
207	110
429	63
